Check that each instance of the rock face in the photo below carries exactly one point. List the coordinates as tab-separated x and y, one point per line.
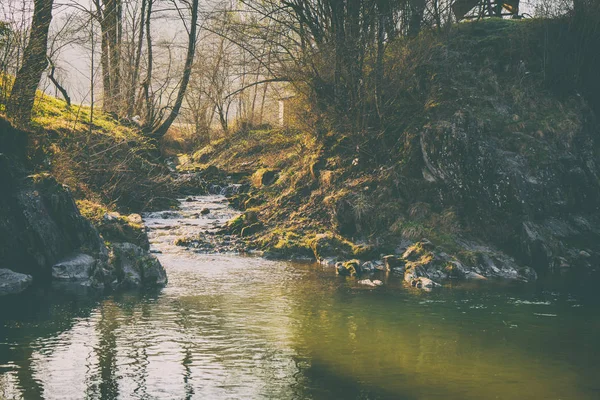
40	223
13	282
537	193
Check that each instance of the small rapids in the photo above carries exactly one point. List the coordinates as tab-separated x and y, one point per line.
166	227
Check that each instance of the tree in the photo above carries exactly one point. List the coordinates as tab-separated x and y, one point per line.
162	129
20	103
109	15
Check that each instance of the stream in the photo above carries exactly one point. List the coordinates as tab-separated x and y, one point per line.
231	326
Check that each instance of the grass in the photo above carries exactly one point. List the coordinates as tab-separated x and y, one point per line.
102	160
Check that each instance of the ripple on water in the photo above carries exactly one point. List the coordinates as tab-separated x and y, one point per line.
230	327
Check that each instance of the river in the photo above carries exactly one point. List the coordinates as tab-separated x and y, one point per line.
238	327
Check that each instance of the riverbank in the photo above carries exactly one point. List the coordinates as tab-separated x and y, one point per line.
44	237
488	169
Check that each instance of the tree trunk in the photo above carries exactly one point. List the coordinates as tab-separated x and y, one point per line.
149	113
20	103
136	67
189	60
108	13
113	13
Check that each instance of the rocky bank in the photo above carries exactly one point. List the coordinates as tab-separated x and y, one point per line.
45	239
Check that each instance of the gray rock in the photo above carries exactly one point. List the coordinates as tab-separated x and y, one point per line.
79	267
13	282
136	267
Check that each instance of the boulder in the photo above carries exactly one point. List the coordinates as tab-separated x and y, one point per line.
13	282
136	267
39	221
79	267
348	268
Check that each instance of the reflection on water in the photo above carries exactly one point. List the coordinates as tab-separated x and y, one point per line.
231	327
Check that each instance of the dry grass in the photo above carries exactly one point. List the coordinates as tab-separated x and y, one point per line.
101	160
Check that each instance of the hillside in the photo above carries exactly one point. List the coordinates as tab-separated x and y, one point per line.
107	163
487	150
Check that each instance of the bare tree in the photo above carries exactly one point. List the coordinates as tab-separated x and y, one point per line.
162	129
20	103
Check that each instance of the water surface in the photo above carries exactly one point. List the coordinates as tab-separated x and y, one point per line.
235	327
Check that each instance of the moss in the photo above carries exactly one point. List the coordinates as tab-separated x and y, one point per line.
328	244
349	268
264	177
91	210
244	224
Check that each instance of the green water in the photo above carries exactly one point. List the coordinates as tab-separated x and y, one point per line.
231	327
238	328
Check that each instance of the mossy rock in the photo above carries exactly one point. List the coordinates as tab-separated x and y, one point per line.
285	244
204	154
124	229
264	177
253	201
251	229
248	219
329	245
364	251
348	268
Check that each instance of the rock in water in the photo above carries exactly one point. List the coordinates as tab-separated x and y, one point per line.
349	268
13	282
79	267
137	267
